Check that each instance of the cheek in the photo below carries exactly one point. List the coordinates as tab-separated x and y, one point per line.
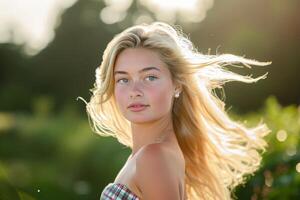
120	96
162	98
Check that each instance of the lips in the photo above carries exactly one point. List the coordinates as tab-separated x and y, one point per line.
136	105
138	108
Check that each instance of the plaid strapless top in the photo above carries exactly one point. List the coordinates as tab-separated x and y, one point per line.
117	191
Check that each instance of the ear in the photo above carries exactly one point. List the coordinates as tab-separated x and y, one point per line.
178	88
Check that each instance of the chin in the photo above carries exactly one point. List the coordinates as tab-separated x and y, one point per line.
139	119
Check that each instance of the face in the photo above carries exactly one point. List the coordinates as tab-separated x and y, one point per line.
141	77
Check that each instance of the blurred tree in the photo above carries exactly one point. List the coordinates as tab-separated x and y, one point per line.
65	68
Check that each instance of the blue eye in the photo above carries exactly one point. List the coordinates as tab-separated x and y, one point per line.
153	77
121	79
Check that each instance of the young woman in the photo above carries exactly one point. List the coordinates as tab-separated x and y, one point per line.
156	94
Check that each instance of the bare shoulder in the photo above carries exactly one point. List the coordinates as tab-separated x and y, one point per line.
156	155
157	177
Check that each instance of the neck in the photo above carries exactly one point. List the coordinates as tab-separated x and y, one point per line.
151	132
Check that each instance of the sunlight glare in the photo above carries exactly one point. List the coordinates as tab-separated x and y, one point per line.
115	11
281	135
172	5
164	10
183	10
298	167
30	23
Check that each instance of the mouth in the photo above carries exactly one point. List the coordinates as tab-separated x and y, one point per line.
137	108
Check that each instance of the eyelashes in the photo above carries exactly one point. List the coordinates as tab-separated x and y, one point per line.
150	76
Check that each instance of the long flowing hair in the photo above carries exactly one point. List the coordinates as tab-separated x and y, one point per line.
219	152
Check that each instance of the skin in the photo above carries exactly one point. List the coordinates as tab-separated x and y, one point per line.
155	168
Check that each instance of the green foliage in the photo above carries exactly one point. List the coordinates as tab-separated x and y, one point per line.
47	155
279	175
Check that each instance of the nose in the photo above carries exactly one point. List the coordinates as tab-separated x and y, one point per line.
136	90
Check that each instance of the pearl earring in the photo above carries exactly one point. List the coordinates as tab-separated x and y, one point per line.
177	95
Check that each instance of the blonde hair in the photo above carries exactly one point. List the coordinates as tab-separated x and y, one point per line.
218	151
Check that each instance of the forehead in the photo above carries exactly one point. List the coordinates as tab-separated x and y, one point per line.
132	60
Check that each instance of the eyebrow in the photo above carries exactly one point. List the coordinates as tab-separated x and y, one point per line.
140	71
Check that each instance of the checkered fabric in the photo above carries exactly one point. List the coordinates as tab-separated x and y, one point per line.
117	191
